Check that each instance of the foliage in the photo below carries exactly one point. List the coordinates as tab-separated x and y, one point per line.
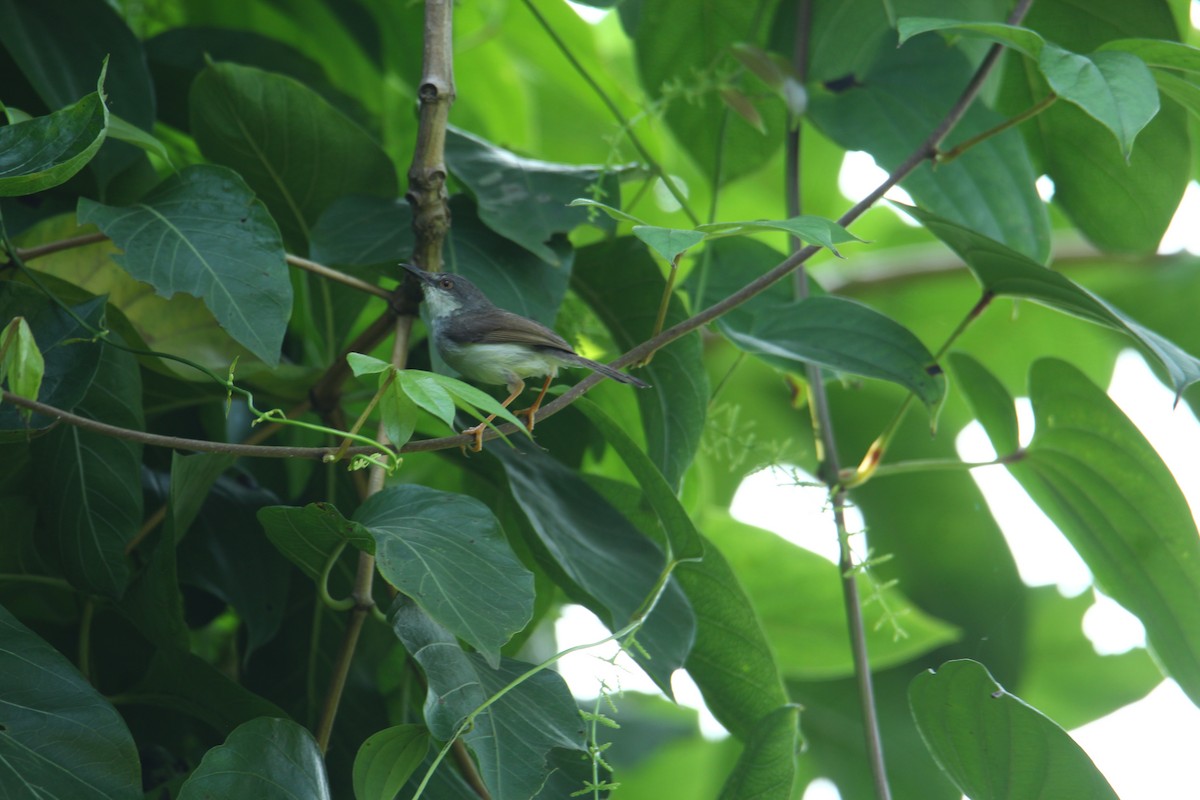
240	557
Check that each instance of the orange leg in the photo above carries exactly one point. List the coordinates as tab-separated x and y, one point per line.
477	431
530	412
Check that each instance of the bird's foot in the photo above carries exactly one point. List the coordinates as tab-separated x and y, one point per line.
530	415
477	432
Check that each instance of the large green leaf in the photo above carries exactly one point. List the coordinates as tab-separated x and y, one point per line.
294	149
269	759
513	737
680	44
995	747
1005	272
89	488
766	769
849	337
623	285
991	403
46	151
1094	474
447	552
525	200
202	232
387	759
605	561
60	739
1115	89
891	108
1120	204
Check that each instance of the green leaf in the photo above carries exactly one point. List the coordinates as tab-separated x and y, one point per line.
893	105
792	588
59	46
187	684
849	337
447	552
21	364
995	747
466	397
815	230
990	402
681	533
1094	474
1004	272
47	151
623	285
428	394
1115	89
309	536
522	199
191	479
615	213
766	769
603	560
61	738
127	132
1161	53
670	243
202	232
71	361
89	491
513	737
386	760
269	759
294	149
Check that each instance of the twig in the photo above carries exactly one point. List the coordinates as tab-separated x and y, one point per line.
339	277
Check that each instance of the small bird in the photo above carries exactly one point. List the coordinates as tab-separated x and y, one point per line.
490	345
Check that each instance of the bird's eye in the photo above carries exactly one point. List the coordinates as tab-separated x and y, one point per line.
446	283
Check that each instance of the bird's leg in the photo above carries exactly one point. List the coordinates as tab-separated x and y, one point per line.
533	409
514	389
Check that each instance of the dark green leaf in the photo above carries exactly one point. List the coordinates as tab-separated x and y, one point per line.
621	282
995	747
893	106
991	403
766	769
185	683
71	360
513	737
681	533
365	231
607	564
522	199
268	759
60	46
47	151
89	490
1094	474
310	536
294	149
387	759
1005	272
202	232
849	337
446	551
191	478
60	739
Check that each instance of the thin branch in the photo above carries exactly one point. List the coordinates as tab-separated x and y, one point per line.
29	253
339	277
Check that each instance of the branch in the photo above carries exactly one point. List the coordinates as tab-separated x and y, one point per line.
339	277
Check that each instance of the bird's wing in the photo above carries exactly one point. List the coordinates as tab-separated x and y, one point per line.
505	327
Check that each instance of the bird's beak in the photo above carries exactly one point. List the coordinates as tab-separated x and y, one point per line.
420	274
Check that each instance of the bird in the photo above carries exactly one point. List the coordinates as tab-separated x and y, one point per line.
490	345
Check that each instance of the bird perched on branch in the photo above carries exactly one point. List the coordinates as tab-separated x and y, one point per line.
487	344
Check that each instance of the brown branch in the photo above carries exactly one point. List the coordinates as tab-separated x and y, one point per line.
338	276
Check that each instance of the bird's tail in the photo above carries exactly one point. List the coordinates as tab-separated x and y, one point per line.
609	372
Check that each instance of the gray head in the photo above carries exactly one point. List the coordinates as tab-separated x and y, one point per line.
447	293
